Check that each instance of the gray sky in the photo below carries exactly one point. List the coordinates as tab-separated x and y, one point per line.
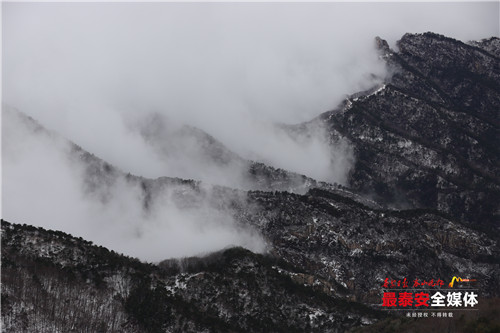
208	64
228	68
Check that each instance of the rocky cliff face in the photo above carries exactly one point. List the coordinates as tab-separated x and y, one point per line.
424	188
427	137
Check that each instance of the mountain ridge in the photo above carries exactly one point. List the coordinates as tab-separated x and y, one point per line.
445	142
422	147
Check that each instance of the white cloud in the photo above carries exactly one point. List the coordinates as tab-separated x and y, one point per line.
46	185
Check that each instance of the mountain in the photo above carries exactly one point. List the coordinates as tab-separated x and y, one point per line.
428	137
422	203
53	281
69	281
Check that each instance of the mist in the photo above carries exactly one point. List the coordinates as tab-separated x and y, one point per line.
107	75
49	185
230	69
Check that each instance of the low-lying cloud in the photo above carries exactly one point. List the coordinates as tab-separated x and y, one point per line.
45	183
230	69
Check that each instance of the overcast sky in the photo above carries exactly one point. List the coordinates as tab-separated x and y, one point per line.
93	71
219	66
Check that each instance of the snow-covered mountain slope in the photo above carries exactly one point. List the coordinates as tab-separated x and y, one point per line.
428	136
